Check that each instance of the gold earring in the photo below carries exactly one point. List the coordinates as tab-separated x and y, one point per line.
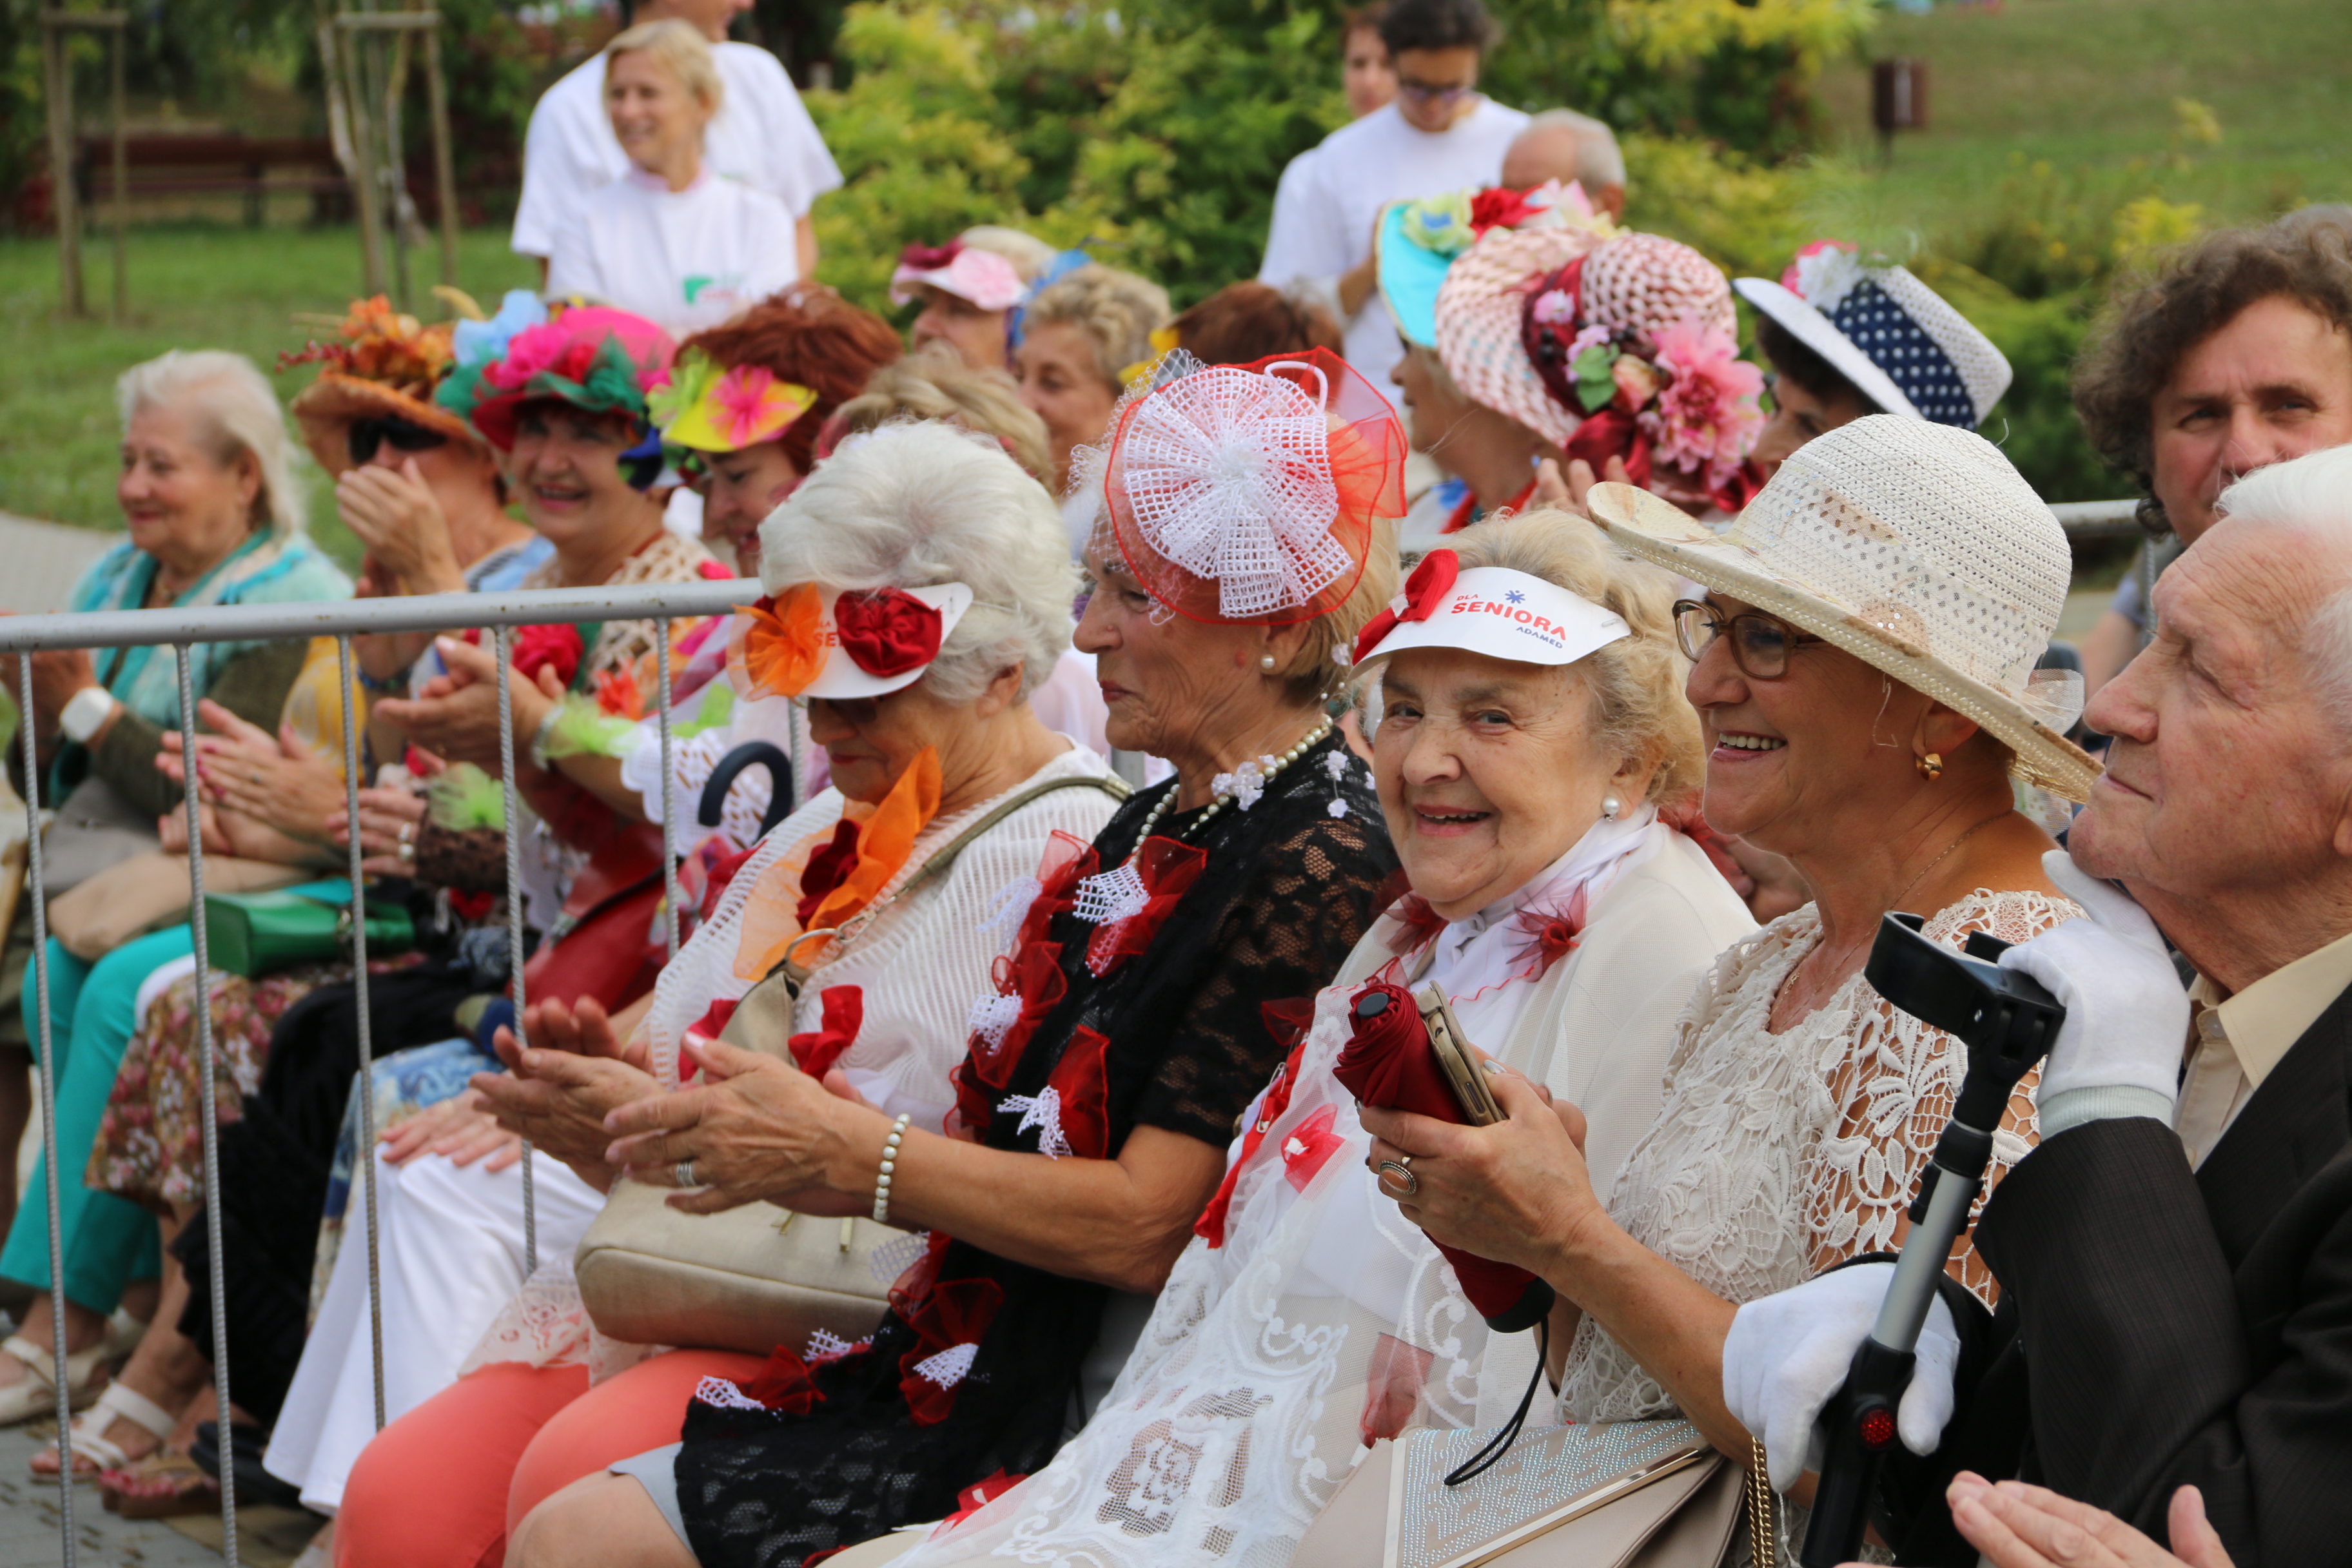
1931	766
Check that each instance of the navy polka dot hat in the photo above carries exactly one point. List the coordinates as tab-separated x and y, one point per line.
1895	338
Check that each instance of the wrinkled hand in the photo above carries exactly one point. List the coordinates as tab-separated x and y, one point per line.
1787	1354
389	822
2126	1012
272	779
757	1128
1567	491
2021	1526
457	716
461	1129
1510	1193
397	518
559	1098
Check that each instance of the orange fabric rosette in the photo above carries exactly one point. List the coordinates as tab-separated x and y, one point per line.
777	646
886	839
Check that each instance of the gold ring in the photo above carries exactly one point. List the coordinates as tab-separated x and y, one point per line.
1407	1180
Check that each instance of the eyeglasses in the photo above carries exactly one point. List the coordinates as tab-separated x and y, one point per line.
368	434
1760	643
1424	92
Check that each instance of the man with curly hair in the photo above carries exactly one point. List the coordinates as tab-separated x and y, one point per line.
2235	354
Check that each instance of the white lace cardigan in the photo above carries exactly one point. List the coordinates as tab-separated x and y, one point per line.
1774	1155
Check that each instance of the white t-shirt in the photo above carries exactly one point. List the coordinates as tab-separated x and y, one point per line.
1330	196
682	260
764	136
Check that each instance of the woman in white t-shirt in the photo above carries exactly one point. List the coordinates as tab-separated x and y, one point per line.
670	241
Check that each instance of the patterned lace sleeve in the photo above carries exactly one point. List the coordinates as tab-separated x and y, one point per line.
1895	1085
1312	895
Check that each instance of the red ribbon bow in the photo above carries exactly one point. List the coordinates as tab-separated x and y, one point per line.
844	1015
887	632
1551	935
930	258
1430	583
958	1314
1035	976
1416	923
784	1384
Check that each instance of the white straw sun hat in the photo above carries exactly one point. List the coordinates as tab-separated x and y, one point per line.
1917	548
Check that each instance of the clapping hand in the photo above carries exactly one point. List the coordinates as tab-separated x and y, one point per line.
456	717
461	1127
271	780
558	1091
755	1129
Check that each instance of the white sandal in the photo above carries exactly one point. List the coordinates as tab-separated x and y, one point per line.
37	1395
119	1402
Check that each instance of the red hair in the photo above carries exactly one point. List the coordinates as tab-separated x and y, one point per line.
808	335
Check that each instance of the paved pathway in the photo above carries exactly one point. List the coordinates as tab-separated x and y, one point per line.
28	1524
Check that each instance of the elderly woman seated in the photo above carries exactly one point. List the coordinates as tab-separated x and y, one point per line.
1800	1106
215	518
1120	1040
1531	782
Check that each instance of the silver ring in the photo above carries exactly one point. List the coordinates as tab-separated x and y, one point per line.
1406	1179
683	1173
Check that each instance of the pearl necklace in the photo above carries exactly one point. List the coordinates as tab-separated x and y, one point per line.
1273	765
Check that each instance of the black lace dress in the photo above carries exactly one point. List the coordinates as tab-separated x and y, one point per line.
973	1370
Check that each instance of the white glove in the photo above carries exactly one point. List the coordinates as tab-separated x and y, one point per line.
1787	1354
2127	1013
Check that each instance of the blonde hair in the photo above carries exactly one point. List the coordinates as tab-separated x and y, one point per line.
933	382
1116	311
238	413
1315	674
1636	681
681	47
1031	257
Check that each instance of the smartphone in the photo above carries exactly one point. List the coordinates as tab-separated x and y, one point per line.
1465	1074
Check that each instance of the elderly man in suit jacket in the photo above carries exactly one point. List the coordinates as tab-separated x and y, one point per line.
2176	1256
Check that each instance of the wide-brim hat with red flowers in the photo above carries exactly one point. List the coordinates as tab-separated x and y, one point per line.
1248	494
593	357
383	365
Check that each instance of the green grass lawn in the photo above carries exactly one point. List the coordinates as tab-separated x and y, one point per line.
190	287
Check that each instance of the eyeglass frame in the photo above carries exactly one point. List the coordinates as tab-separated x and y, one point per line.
1424	92
1794	636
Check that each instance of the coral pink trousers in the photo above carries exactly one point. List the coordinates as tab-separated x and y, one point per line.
445	1483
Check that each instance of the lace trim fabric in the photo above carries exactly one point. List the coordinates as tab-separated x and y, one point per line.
1775	1156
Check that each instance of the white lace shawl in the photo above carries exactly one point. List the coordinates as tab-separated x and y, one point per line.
1774	1157
1238	1413
919	964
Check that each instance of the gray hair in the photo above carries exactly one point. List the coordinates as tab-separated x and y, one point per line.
2313	491
1599	162
238	415
915	505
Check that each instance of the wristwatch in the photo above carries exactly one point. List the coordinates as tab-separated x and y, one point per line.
87	713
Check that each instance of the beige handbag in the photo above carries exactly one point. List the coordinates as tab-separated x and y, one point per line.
757	1276
1620	1494
149	892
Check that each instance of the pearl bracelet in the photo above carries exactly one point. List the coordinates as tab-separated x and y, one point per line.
889	1164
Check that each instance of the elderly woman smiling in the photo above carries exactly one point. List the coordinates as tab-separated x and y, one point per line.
1532	724
1106	1066
1799	1107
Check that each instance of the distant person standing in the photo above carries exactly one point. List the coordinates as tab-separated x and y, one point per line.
1439	134
763	136
1366	73
1561	144
671	240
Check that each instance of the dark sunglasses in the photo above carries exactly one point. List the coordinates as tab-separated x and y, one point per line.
1760	643
368	434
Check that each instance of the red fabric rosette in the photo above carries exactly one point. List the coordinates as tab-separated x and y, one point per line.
1550	936
1499	206
1612	433
957	1314
1310	1147
828	866
556	647
1416	924
843	1016
1388	1063
1078	1084
887	632
1169	867
783	1385
930	258
1035	976
1210	1227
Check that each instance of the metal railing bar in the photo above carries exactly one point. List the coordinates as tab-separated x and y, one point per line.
207	1056
670	784
48	1111
336	617
504	638
367	1030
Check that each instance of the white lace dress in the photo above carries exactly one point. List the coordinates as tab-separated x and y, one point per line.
1775	1156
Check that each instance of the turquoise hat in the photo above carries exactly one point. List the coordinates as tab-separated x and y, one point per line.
1417	241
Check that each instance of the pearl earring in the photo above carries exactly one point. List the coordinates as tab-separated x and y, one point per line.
1611	806
1266	662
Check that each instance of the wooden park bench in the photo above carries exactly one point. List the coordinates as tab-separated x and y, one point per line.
219	164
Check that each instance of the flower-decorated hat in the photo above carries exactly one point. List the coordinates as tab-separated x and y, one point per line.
590	356
711	407
810	641
1249	494
1915	547
1896	340
1418	241
981	277
1618	347
384	366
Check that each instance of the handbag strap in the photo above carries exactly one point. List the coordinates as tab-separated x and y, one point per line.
940	863
1763	1539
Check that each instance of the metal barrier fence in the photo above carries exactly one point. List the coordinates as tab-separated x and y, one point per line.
182	629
